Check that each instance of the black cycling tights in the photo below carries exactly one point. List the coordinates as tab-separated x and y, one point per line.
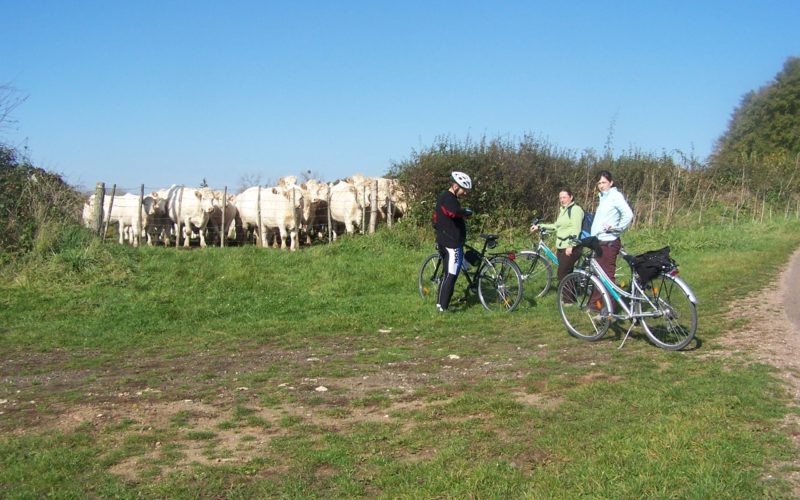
451	258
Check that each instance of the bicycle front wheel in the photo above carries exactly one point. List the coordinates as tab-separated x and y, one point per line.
583	319
537	272
430	276
500	284
675	321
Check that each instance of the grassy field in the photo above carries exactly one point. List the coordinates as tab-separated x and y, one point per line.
244	372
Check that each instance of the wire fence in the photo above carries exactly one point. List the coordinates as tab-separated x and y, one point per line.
287	215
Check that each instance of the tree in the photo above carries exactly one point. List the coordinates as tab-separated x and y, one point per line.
9	100
767	121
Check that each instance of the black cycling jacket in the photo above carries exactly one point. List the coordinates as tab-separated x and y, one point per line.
448	219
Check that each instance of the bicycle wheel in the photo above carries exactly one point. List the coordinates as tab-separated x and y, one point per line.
537	272
676	321
583	320
500	284
430	275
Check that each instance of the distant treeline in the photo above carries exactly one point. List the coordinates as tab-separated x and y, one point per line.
753	171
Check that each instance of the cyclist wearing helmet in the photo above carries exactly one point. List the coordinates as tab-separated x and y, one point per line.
451	233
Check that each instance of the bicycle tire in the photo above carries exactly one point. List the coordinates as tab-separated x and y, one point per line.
537	272
500	285
676	325
430	276
581	320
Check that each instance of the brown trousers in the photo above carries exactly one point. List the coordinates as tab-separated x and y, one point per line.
608	262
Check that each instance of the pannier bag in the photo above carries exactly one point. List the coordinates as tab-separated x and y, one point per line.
650	264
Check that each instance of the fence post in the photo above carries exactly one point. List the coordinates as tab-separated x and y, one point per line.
389	205
137	239
330	225
223	235
110	207
373	213
97	212
178	232
259	230
294	222
363	211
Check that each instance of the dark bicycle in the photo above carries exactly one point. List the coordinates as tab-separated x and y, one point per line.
495	276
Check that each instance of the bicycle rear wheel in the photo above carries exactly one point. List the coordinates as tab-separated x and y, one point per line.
430	276
537	272
583	320
676	322
500	284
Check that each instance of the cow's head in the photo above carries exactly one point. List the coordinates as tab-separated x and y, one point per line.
206	199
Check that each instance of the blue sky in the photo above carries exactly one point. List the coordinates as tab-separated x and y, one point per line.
162	92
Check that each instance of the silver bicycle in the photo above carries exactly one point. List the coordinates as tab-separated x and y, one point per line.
664	306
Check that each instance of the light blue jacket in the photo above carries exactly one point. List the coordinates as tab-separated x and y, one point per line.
613	212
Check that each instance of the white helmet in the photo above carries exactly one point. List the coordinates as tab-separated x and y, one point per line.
462	179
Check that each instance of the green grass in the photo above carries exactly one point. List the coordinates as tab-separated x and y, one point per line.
205	366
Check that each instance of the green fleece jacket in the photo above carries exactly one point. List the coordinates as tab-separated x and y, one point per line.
567	224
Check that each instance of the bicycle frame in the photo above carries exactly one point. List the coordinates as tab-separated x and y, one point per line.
542	247
475	270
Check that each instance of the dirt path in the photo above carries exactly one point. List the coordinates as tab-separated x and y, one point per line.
771	335
772	331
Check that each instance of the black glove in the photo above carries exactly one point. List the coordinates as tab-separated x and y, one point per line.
468	212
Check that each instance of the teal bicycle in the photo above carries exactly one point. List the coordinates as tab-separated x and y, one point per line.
539	265
663	304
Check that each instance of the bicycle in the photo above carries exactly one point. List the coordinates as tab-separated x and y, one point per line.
495	276
537	265
665	306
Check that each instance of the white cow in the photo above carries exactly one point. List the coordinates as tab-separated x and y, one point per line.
281	209
124	210
389	190
316	208
190	208
346	206
159	225
233	221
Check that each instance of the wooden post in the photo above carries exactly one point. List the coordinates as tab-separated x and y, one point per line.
223	235
108	215
259	236
294	221
389	205
330	224
97	212
137	239
363	211
373	213
178	232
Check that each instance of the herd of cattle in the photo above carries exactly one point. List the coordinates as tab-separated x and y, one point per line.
269	215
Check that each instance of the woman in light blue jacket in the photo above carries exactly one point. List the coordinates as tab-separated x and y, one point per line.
612	217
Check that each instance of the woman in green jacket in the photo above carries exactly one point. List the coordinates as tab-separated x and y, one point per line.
567	225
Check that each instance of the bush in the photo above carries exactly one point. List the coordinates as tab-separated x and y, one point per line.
31	201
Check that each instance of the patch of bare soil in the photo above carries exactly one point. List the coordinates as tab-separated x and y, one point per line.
770	334
209	408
